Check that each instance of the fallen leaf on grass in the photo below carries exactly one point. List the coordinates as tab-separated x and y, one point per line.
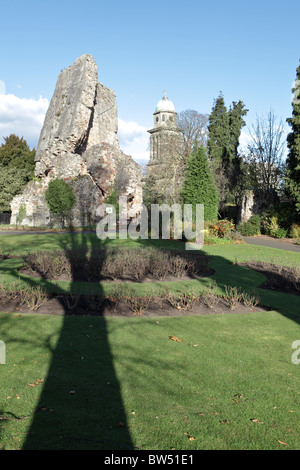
37	382
190	438
174	338
255	420
283	443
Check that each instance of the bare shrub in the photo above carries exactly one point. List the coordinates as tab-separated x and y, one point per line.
182	301
250	299
131	263
33	297
209	295
233	297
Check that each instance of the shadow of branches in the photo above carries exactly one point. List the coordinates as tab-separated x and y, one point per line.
80	406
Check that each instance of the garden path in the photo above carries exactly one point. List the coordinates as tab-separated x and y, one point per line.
271	243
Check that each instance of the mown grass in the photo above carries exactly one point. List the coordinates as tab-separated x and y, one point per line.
122	383
225	263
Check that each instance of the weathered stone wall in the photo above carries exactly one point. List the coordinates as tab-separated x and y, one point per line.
37	211
105	118
68	119
79	143
255	202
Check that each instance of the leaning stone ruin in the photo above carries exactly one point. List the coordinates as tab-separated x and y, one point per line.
79	143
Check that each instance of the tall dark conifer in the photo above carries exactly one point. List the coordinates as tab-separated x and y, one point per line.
199	185
224	132
219	132
293	141
236	123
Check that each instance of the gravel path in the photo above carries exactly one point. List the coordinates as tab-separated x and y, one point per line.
271	243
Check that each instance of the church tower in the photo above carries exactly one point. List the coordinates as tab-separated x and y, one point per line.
164	137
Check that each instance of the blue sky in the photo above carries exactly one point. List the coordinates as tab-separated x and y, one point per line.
192	49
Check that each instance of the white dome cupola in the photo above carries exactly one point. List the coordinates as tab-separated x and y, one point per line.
165	136
165	105
164	114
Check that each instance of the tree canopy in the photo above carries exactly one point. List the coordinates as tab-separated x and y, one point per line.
219	132
60	198
15	153
16	169
12	182
199	185
265	152
224	130
292	177
193	128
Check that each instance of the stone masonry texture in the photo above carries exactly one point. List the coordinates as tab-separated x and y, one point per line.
79	143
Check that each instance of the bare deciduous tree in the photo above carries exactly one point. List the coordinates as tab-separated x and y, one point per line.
265	152
193	127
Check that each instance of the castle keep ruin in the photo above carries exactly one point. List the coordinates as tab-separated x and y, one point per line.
79	143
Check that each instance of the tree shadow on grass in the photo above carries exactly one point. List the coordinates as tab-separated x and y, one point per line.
229	273
82	396
81	404
253	281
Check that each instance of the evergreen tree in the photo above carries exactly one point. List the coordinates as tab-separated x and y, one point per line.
292	178
60	198
15	153
219	132
235	171
236	123
223	140
225	130
12	182
199	186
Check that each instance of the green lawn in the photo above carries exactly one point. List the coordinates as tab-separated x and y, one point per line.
121	383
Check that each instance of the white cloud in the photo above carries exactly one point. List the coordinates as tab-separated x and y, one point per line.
134	140
2	87
245	139
22	116
25	117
